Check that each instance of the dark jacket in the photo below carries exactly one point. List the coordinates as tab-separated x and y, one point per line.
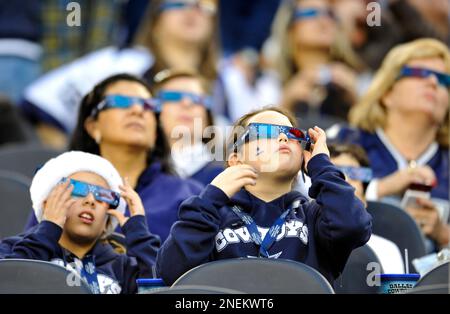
117	273
161	195
321	233
383	162
21	19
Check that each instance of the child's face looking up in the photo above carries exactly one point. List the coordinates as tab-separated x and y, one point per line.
87	217
281	156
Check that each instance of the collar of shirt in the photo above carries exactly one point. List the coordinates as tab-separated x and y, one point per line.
191	159
402	162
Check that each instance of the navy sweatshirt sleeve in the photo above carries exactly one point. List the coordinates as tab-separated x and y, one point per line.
141	252
41	244
342	221
31	222
191	240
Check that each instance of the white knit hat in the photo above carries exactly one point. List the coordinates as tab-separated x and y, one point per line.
67	164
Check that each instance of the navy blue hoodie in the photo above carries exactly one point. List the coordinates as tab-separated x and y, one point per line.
206	174
321	233
116	273
161	195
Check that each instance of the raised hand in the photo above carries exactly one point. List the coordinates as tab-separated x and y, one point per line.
320	144
58	203
234	178
398	182
134	203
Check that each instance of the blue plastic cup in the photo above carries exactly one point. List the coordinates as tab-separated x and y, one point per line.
149	284
397	283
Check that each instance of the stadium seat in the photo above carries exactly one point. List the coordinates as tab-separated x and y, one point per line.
25	158
20	276
397	225
258	275
16	204
435	281
354	277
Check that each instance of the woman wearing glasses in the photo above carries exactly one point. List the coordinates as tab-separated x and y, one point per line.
310	67
117	121
402	122
174	33
186	119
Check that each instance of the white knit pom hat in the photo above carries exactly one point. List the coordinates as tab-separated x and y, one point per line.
67	164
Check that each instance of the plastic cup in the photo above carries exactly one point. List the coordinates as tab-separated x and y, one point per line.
397	283
146	285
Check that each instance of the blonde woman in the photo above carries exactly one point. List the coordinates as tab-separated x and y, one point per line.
403	122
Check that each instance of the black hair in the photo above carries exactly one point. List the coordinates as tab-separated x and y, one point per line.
82	141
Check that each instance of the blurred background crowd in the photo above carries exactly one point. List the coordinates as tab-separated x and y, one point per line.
252	52
384	87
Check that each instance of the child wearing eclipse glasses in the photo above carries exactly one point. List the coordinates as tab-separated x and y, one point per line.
78	199
251	210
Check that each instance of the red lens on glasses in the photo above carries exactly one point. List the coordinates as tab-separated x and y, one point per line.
297	133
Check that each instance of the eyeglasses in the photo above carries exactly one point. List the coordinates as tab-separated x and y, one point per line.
362	174
205	6
172	95
255	131
82	189
124	102
310	13
443	78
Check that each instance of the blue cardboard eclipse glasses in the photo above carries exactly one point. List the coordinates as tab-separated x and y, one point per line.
125	102
362	174
82	189
310	13
255	131
173	95
443	78
206	6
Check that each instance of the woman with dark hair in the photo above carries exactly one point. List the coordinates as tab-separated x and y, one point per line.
117	121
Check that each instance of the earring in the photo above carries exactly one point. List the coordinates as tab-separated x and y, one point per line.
98	138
